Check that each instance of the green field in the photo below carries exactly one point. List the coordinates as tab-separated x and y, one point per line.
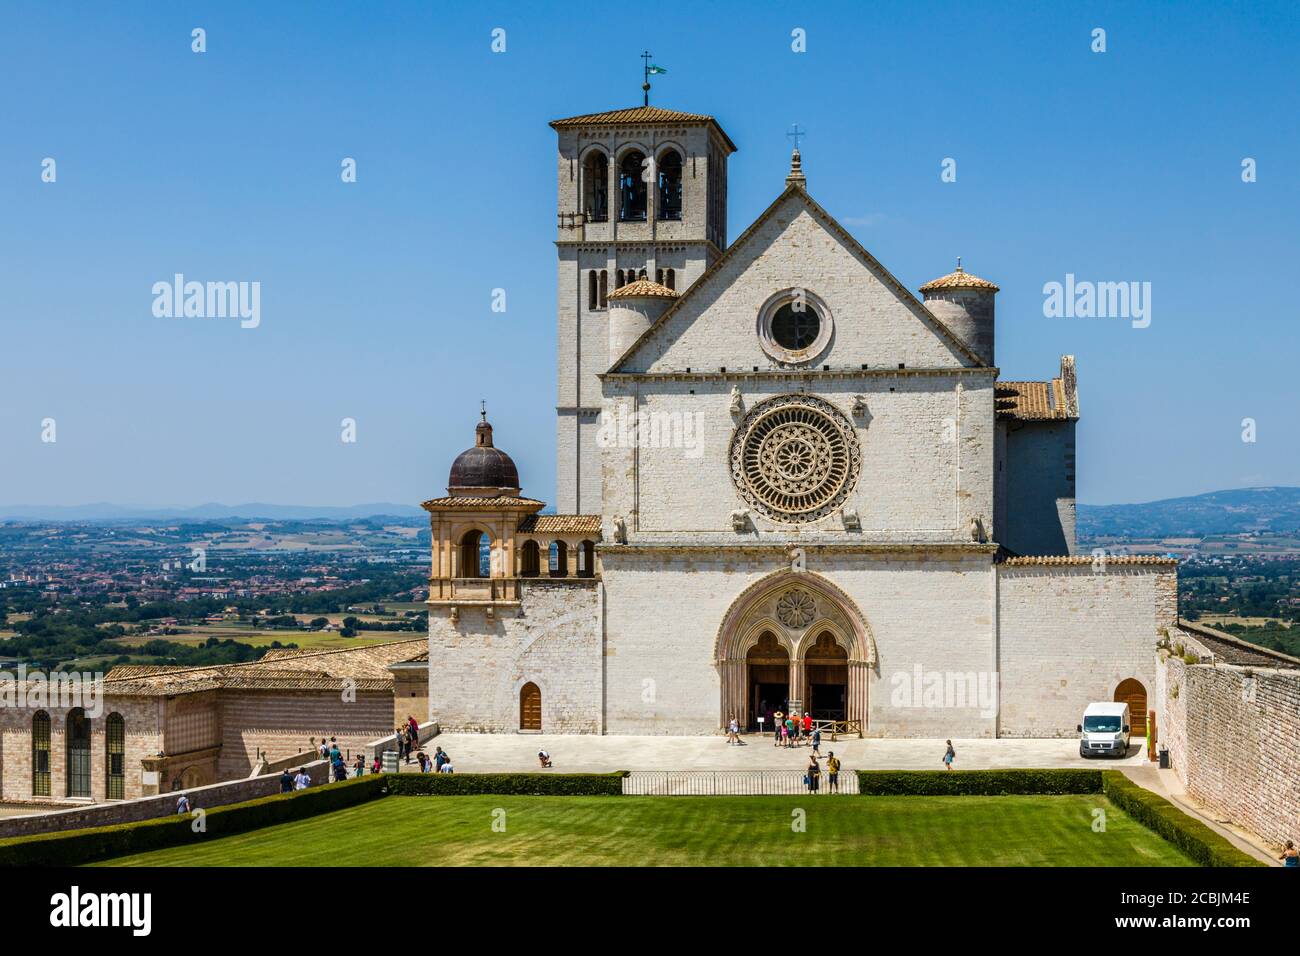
692	831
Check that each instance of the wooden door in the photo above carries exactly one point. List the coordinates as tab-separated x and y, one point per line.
530	707
1132	692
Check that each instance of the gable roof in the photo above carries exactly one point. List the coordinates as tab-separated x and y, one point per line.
797	191
642	114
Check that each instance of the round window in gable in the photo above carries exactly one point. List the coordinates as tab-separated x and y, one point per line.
794	326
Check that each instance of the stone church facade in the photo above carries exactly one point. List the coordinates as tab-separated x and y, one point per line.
785	481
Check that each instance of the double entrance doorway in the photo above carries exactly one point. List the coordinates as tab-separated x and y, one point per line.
820	679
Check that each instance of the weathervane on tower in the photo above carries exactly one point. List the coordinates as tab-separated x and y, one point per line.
650	70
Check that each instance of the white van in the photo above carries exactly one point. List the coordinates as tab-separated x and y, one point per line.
1104	731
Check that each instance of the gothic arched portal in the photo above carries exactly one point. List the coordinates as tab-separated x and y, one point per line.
822	635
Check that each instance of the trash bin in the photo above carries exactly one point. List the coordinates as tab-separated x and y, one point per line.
1164	758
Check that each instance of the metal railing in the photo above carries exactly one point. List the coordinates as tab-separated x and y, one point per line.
730	783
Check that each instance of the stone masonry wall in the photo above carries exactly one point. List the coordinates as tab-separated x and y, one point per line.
664	611
477	667
1069	634
1233	735
283	723
143	726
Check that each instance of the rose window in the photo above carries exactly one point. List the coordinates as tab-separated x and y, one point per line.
795	458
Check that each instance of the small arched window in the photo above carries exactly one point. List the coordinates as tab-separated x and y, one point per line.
670	186
40	754
622	279
631	187
529	560
474	563
115	756
641	274
659	276
604	288
559	559
593	293
670	279
587	559
595	174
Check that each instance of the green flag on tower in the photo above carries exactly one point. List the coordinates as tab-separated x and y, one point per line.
656	69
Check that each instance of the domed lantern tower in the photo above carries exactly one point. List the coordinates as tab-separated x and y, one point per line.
474	529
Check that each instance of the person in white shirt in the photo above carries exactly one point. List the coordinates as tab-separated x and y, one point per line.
183	804
301	781
446	767
543	758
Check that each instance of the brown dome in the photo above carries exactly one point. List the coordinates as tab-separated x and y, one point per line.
483	466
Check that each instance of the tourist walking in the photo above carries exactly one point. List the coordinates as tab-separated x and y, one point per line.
286	782
733	730
183	804
948	756
778	725
817	742
301	781
833	772
439	758
359	766
1289	855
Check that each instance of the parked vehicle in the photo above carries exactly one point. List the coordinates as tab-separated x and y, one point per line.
1105	730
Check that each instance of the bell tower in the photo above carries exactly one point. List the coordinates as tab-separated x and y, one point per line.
642	195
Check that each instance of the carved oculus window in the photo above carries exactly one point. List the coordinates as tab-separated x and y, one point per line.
795	458
794	326
795	608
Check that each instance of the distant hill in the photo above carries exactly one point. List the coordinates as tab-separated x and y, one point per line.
1218	512
103	511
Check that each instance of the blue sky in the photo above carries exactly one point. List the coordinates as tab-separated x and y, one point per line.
1115	166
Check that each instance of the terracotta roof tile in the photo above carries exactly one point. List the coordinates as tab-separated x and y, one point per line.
960	279
470	501
1082	560
561	524
279	669
640	114
643	287
1030	401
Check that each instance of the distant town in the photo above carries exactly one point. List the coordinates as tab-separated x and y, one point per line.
88	595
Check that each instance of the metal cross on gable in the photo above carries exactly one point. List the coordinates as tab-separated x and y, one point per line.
795	133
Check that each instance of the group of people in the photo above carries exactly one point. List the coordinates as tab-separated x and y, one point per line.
812	775
440	762
300	779
408	739
789	730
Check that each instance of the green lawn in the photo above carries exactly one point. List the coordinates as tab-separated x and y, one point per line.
692	831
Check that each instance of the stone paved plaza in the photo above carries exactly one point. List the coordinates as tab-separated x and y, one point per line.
573	753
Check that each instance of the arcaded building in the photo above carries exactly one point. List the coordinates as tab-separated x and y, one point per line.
785	481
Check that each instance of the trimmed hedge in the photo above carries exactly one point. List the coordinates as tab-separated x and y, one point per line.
509	784
983	783
73	847
1156	813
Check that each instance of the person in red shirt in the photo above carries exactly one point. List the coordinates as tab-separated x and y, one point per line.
807	724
